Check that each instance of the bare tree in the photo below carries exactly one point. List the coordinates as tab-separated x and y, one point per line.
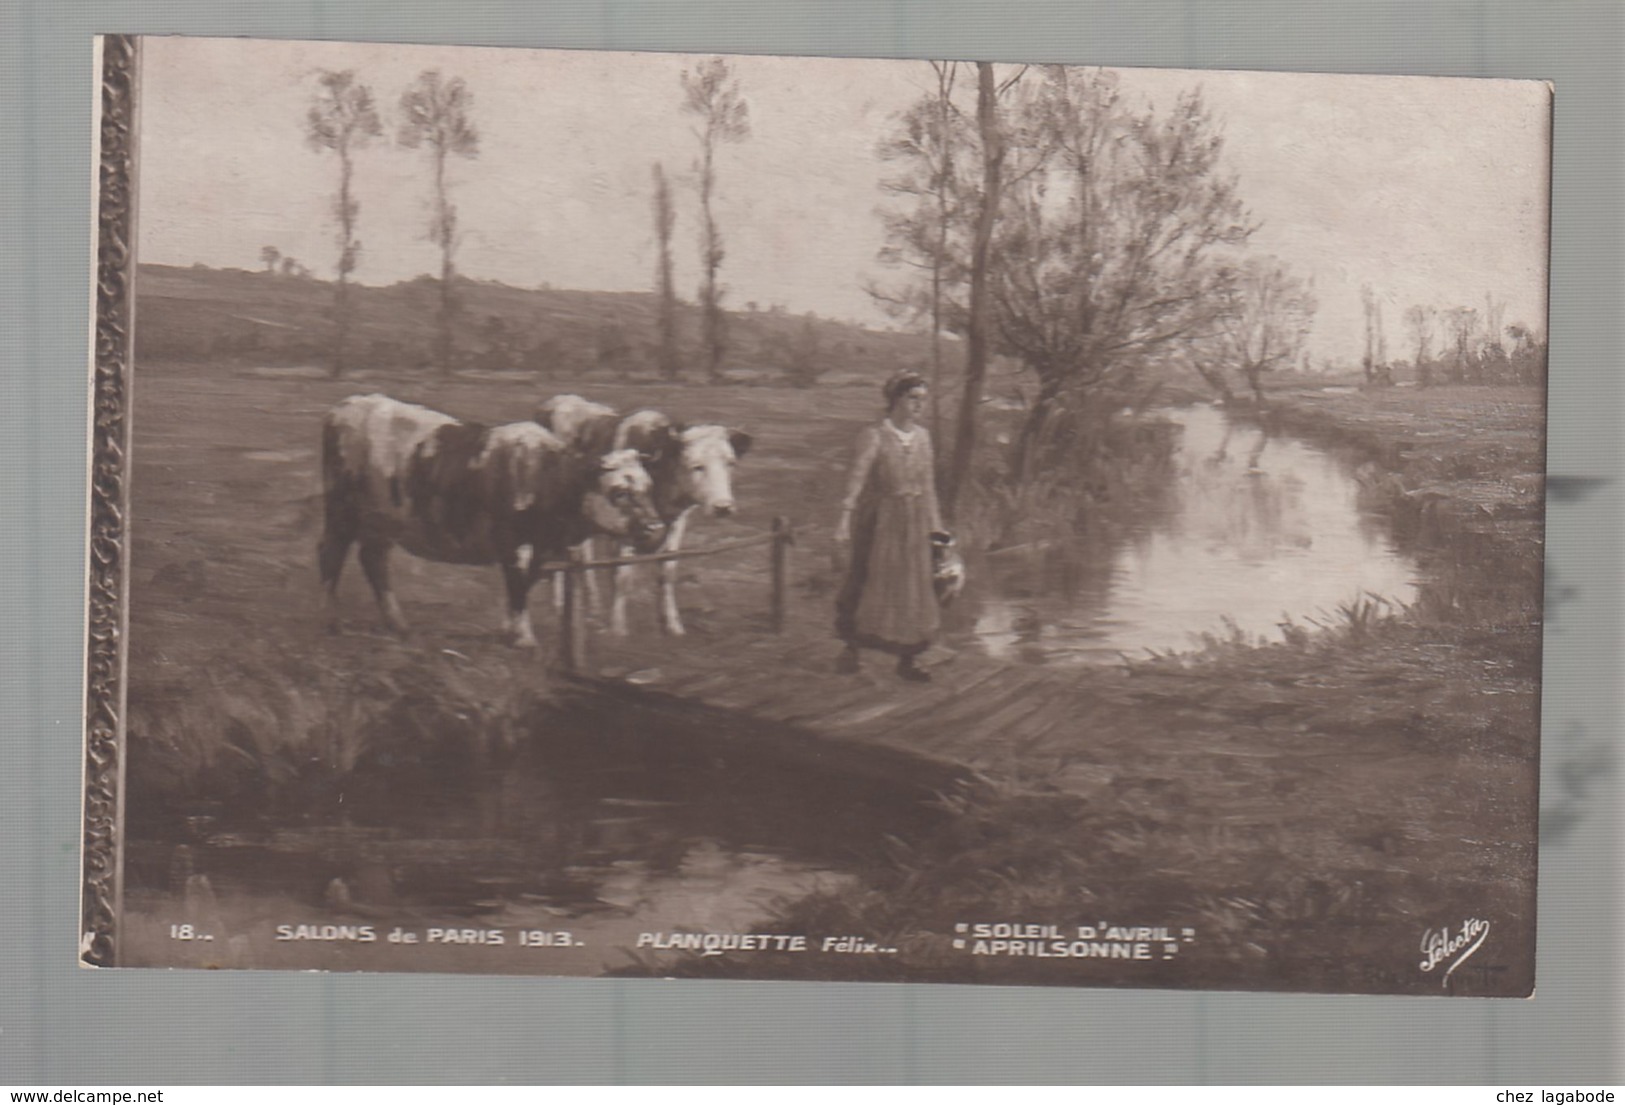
956	165
711	93
667	356
933	140
269	256
1419	320
1267	321
1493	364
435	113
343	118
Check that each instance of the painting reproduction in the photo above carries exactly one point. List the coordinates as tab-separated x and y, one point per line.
563	513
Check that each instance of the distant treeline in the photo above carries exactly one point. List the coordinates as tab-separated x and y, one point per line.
275	317
1454	345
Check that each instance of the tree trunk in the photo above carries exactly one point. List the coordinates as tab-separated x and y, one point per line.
665	217
444	340
1255	380
341	293
710	317
1033	426
446	270
1214	378
976	336
341	326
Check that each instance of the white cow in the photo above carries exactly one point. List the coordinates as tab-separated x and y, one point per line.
691	468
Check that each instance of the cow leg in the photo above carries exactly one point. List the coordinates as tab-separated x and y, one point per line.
671	622
594	596
374	556
330	555
518	581
619	579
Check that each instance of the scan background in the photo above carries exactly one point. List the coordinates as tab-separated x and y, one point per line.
61	1024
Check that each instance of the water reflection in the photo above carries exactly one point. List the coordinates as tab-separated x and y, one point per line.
1258	530
600	826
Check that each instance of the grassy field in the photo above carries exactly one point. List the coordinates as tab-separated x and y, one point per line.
1299	804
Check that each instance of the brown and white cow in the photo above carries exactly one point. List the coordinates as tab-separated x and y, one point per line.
691	467
462	493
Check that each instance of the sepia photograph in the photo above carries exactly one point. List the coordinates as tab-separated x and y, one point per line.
641	515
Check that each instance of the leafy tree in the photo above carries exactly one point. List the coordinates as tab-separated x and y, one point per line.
435	114
1462	324
611	350
1493	365
711	94
1528	354
343	119
1419	320
805	361
1375	362
666	355
1110	257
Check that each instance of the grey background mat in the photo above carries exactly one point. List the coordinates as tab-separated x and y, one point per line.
63	1025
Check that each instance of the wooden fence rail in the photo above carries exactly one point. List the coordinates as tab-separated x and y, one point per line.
572	614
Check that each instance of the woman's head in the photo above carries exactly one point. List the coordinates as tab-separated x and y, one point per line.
903	386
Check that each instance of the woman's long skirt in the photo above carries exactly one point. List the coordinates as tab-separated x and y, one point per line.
886	600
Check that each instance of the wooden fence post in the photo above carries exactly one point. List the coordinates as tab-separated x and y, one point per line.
572	617
778	564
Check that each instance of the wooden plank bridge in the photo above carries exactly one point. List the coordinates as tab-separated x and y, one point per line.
775	686
976	713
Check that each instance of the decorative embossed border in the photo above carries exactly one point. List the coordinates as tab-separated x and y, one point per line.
109	503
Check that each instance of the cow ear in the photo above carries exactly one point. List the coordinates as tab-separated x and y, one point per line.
741	442
662	442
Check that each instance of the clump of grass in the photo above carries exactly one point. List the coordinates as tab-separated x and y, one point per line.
1360	618
243	740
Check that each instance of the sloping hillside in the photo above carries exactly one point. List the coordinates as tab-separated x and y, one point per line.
234	315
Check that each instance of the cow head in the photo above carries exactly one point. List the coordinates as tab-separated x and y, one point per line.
705	463
618	501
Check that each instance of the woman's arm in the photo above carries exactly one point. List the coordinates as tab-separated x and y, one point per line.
863	463
931	484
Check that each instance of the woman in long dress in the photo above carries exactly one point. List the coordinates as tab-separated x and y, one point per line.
886	601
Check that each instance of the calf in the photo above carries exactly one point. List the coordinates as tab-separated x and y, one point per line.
462	493
691	468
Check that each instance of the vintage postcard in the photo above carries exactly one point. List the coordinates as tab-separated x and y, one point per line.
653	515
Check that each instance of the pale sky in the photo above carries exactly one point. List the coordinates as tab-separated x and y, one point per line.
1433	190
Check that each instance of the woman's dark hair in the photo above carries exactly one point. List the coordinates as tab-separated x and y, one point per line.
901	384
